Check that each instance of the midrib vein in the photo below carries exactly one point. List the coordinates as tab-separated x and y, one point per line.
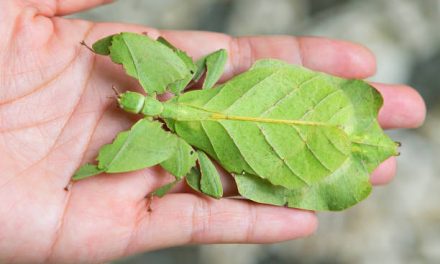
220	116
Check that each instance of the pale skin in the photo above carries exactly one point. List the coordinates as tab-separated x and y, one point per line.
55	114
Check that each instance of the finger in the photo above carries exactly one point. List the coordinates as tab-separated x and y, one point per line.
336	57
63	7
403	107
104	220
69	7
188	219
385	172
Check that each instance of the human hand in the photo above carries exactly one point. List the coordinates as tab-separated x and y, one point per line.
54	116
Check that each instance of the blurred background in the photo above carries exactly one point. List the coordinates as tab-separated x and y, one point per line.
398	223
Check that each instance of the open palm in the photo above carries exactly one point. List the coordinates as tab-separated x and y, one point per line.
55	114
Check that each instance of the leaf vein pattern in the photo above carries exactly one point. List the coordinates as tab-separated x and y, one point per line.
243	95
369	144
209	139
136	66
221	89
288	95
310	149
120	150
318	103
279	155
338	112
334	146
238	148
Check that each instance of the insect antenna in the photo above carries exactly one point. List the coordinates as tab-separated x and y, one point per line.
87	46
117	93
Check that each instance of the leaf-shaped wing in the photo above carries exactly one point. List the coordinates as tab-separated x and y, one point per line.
213	64
163	190
144	145
205	180
178	87
291	126
181	161
153	63
210	182
85	171
193	179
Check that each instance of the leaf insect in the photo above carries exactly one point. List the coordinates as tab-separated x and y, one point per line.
290	136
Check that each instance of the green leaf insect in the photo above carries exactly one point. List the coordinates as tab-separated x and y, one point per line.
289	136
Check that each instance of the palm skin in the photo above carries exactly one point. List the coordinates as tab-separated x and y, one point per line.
55	114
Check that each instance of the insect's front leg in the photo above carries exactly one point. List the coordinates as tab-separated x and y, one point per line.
214	65
205	178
